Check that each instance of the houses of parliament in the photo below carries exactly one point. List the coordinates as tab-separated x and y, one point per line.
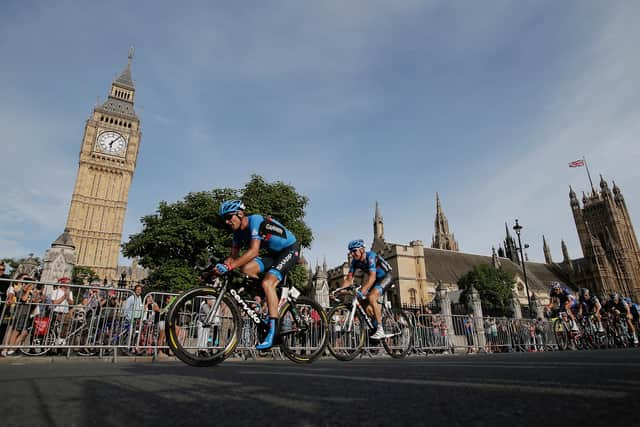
610	262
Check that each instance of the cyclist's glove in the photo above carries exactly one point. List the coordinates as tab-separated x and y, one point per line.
223	268
359	294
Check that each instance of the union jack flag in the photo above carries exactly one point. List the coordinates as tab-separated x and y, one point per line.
576	163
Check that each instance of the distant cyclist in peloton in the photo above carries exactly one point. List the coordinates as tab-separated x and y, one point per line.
378	280
566	302
590	304
254	232
617	304
634	309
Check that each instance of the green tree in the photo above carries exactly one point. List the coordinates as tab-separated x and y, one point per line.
186	234
82	275
494	285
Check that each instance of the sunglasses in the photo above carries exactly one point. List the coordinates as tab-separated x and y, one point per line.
228	216
353	251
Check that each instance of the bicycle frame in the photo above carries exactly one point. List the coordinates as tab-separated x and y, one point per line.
288	295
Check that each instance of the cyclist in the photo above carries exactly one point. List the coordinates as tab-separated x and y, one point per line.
378	280
590	304
618	306
255	232
634	309
565	300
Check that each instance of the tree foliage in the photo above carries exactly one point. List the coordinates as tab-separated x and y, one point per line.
186	234
82	275
494	285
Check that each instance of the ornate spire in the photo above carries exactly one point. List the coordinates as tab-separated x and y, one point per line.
547	252
378	230
125	79
510	248
443	238
494	258
565	252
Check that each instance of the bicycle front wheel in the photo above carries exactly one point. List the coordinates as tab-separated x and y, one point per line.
561	333
303	330
346	337
399	340
193	342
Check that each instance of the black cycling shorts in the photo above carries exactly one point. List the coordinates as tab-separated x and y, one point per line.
280	263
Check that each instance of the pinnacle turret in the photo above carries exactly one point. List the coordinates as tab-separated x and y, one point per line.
547	252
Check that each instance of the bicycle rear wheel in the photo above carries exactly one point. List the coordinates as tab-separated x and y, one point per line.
346	339
197	344
303	330
400	340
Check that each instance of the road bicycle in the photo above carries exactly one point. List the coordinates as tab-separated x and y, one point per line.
350	325
46	337
301	328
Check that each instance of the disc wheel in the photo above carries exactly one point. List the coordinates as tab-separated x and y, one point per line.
397	325
197	344
346	339
302	330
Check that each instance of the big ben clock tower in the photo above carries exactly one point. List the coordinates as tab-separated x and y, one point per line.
107	161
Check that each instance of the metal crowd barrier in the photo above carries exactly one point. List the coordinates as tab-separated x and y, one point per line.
40	318
101	321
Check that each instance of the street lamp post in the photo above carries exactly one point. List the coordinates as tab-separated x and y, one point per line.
518	228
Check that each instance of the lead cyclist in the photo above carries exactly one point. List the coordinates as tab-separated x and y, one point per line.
255	232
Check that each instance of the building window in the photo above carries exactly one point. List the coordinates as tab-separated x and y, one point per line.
412	296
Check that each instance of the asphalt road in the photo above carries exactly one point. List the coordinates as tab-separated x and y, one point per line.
557	388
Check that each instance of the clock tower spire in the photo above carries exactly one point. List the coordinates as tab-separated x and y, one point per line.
108	157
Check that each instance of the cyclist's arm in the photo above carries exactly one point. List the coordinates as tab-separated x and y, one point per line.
371	279
348	281
249	255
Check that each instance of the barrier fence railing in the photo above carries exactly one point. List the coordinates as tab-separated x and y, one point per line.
40	318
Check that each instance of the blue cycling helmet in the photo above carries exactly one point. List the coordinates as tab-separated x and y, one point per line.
231	206
627	300
584	292
355	244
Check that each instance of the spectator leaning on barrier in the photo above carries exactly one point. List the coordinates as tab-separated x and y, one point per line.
133	305
23	310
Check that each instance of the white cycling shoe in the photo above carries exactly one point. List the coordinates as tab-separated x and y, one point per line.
379	335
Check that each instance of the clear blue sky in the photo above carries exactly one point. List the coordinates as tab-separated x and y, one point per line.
349	101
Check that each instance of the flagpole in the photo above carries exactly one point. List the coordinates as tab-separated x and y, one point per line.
588	174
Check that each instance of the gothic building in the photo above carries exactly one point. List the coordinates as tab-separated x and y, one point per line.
611	261
418	270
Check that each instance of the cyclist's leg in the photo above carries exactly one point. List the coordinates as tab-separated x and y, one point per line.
276	269
375	294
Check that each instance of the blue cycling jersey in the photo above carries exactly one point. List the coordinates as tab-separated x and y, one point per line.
590	303
372	263
563	296
273	235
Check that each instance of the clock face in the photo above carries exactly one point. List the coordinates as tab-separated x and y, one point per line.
111	142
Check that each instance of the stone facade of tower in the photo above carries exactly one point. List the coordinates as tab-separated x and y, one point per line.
108	156
609	243
442	237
